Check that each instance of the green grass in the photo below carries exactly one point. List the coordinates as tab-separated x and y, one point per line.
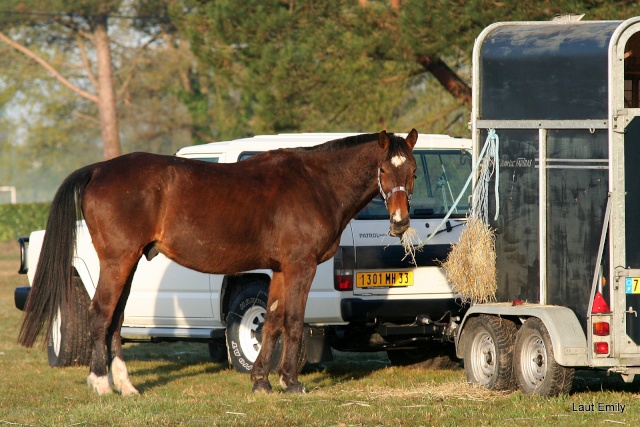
179	386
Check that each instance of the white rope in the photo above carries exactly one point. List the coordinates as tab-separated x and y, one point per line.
488	164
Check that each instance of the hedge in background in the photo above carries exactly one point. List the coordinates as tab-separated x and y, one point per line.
21	219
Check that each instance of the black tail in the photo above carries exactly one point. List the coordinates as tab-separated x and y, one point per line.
53	278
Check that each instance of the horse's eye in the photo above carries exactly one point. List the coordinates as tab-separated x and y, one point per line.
382	171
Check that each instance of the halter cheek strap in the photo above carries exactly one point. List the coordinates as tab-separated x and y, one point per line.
386	196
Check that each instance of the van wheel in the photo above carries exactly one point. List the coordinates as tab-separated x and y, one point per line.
245	320
435	356
536	369
69	342
488	352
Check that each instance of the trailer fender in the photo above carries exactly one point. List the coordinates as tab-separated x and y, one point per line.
567	336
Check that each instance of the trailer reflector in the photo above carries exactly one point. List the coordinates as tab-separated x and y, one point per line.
599	304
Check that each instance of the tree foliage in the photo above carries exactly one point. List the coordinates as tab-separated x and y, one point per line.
305	65
52	128
191	71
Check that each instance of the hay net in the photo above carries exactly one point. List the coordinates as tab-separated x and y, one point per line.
471	265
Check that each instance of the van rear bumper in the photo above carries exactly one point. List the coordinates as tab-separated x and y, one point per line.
399	311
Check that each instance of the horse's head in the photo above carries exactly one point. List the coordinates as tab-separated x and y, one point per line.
396	174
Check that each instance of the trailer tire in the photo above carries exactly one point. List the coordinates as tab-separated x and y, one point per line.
488	352
536	369
247	313
69	342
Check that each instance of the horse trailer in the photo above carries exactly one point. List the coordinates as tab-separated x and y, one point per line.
563	99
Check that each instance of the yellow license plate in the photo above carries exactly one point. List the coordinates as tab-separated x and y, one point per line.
632	285
385	279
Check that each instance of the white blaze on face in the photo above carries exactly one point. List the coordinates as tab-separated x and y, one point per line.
397	217
398	160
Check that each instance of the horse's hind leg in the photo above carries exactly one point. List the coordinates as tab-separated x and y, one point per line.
114	275
118	374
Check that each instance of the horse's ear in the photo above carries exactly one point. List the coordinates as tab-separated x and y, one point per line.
383	140
412	138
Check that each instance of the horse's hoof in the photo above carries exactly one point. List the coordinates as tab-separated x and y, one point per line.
99	384
262	387
129	390
296	389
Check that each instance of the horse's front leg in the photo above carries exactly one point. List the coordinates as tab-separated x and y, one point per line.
296	301
270	333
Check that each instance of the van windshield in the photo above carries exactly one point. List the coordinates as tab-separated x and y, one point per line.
440	177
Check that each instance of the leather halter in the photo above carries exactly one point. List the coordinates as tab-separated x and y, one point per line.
386	196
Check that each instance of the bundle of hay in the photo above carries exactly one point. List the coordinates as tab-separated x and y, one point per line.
471	264
411	243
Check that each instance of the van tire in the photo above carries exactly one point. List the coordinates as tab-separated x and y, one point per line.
69	342
488	352
247	313
535	366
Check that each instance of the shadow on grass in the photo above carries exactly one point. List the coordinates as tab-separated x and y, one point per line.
344	367
171	362
592	380
175	361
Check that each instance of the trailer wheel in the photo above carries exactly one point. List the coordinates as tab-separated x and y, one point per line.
69	343
536	369
488	352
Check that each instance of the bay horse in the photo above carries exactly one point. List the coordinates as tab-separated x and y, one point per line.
282	210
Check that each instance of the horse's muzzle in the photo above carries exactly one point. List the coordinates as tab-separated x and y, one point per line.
397	228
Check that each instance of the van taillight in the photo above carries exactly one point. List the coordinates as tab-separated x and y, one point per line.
343	282
343	265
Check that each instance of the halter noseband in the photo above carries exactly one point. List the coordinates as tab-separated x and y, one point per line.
386	196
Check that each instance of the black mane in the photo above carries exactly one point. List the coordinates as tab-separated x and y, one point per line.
396	143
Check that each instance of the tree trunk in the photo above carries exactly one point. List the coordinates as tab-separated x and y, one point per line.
447	77
106	93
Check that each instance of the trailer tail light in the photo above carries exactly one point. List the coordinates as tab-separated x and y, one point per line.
601	348
601	326
601	329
